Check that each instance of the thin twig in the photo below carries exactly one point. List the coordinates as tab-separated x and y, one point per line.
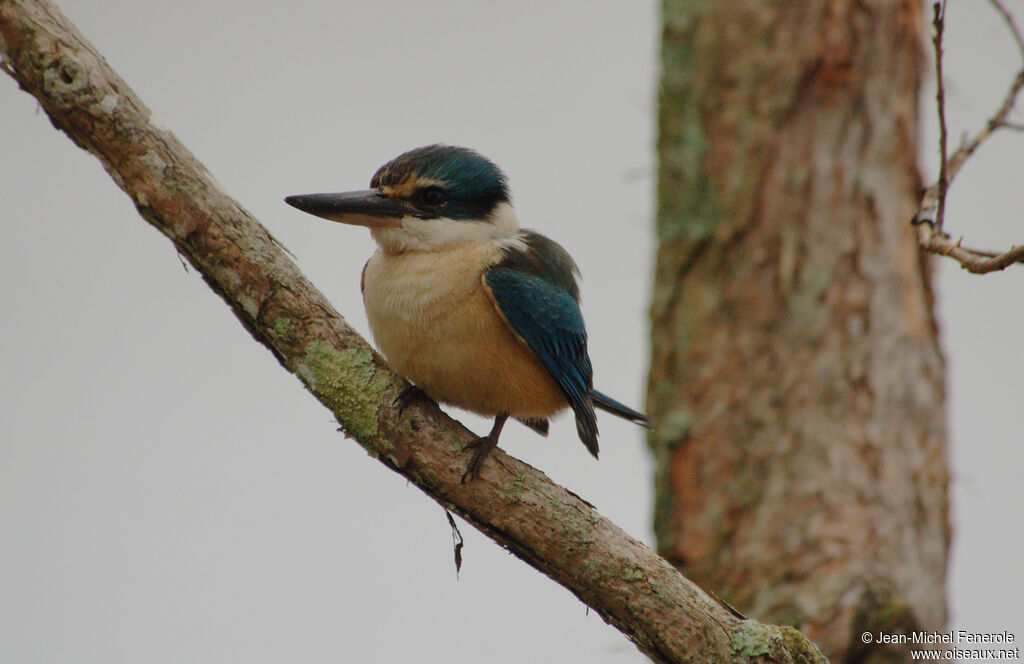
939	21
999	7
997	121
978	261
931	211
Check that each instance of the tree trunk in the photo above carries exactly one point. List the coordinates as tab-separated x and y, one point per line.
797	380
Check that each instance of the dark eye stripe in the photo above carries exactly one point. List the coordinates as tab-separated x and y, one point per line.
430	197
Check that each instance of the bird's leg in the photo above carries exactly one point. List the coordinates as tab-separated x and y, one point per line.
410	395
482	447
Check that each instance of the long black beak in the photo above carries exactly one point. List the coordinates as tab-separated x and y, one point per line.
362	208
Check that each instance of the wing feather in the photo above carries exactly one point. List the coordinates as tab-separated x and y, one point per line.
548	320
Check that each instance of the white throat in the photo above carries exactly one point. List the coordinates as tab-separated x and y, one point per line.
436	234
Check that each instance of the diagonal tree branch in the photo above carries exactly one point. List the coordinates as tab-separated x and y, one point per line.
931	211
664	614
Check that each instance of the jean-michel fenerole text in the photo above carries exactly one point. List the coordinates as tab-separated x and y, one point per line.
958	637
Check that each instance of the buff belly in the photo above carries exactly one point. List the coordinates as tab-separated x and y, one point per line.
433	320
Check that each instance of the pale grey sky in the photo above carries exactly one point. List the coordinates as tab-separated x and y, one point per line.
168	493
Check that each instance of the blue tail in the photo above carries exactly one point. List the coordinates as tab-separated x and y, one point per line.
606	403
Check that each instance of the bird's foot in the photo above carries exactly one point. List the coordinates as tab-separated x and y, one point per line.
481	447
409	396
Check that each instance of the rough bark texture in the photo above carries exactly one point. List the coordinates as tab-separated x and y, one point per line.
796	378
547	526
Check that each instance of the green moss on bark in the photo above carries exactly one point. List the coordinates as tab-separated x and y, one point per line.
348	383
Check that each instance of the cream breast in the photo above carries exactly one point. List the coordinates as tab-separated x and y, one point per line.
434	321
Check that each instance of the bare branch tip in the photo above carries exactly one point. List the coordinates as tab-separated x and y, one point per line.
1010	23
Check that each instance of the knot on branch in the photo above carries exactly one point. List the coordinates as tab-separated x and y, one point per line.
66	79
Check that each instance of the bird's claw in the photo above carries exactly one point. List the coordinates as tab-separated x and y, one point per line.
408	396
481	447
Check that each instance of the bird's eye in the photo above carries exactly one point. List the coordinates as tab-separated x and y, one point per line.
431	197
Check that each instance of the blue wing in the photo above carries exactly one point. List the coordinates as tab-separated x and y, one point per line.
548	319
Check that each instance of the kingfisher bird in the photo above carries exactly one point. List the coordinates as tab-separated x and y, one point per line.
474	311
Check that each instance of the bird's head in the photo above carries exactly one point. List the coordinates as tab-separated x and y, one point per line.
424	200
